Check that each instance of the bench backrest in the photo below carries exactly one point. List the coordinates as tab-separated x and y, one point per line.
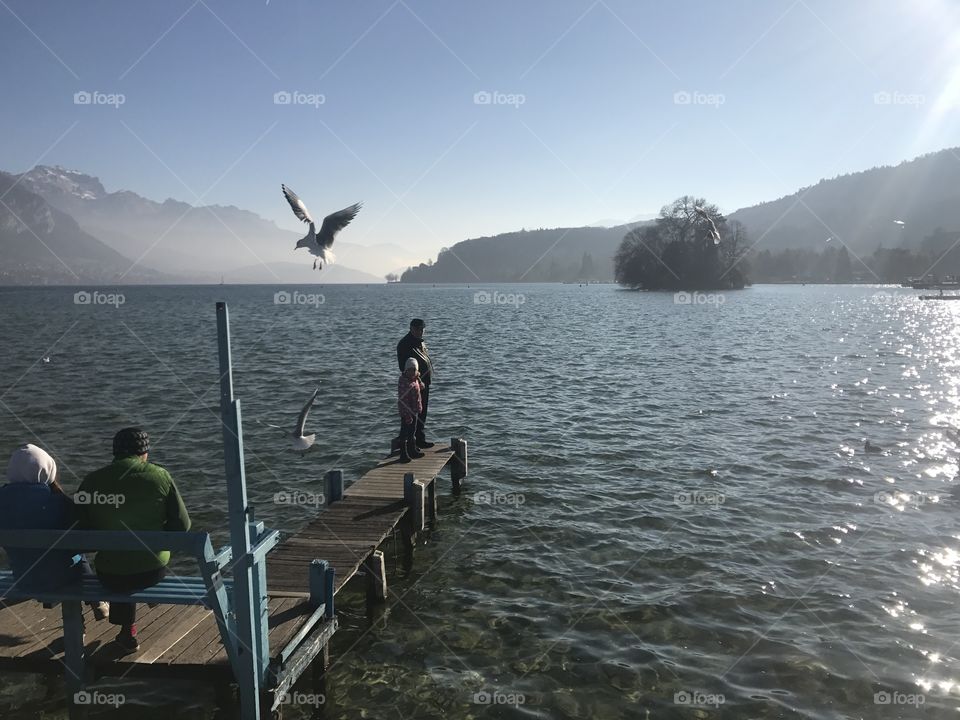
196	544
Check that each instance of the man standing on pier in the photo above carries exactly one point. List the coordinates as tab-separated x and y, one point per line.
412	346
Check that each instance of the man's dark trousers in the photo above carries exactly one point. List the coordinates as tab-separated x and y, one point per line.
422	418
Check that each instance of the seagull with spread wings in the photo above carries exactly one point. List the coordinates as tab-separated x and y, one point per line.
713	232
319	243
299	440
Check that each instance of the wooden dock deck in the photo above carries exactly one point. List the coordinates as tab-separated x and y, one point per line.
351	529
178	641
175	641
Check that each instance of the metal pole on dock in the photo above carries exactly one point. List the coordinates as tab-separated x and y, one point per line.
246	606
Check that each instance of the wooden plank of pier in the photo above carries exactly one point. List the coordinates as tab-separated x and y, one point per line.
174	640
385	481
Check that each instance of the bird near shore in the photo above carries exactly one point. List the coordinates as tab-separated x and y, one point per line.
300	441
319	243
871	449
714	233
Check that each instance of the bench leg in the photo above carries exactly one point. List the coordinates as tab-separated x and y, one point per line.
74	660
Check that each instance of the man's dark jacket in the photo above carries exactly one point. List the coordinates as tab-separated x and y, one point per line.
414	347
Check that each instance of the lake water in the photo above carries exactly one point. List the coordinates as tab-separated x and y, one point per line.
684	522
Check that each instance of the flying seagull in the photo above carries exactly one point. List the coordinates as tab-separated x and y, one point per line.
901	223
300	441
319	243
714	234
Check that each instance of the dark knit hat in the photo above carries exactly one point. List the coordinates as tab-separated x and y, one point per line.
417	323
130	441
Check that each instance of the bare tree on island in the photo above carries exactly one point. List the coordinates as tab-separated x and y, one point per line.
690	246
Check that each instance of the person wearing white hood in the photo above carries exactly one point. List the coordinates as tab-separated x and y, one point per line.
32	499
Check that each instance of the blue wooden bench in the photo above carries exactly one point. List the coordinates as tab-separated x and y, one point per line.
175	590
209	589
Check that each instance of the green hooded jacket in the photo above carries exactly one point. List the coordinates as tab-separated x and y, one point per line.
130	494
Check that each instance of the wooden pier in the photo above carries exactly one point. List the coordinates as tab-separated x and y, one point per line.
288	621
360	517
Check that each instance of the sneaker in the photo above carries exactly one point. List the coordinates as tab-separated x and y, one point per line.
101	610
127	641
424	444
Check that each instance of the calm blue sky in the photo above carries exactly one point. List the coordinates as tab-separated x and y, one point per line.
782	93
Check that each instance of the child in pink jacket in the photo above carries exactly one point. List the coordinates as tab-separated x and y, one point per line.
410	406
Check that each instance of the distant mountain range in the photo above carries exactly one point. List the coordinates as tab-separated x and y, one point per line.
62	226
858	210
147	241
42	244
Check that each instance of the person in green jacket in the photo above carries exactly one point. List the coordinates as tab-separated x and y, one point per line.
130	494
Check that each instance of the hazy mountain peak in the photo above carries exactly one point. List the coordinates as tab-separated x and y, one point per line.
55	178
174	203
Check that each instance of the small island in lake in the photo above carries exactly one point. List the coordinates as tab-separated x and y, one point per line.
690	246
